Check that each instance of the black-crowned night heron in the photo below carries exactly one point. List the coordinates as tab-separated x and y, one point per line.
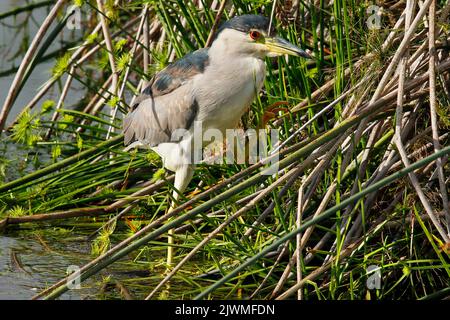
213	86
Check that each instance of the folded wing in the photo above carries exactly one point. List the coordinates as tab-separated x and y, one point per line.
167	103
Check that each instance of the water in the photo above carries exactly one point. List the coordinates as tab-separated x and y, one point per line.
10	43
31	261
40	264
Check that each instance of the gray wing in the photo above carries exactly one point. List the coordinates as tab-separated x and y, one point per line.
167	103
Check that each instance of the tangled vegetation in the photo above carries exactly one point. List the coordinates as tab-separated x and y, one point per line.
363	180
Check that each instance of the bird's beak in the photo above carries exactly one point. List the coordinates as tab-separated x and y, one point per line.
279	46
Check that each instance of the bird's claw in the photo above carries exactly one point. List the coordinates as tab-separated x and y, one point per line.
271	112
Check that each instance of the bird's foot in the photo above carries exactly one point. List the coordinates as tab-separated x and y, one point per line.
271	112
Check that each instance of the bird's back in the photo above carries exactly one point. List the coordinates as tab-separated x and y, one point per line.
167	103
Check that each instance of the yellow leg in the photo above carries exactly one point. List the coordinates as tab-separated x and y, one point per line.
182	178
170	248
170	241
169	259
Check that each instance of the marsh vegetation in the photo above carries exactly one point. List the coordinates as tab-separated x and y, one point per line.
361	194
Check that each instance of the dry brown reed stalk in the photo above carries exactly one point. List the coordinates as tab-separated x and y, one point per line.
399	112
13	90
83	212
394	90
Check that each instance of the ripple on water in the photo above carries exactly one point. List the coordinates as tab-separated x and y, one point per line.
27	266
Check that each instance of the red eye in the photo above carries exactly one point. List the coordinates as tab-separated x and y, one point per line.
254	35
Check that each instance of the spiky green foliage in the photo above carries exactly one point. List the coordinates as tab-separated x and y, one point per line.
26	130
342	152
61	66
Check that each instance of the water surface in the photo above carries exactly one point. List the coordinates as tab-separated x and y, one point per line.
31	260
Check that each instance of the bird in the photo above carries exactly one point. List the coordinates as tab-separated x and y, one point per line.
213	86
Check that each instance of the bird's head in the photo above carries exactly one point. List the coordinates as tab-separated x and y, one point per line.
250	35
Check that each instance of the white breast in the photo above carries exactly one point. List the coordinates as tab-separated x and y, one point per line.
231	90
